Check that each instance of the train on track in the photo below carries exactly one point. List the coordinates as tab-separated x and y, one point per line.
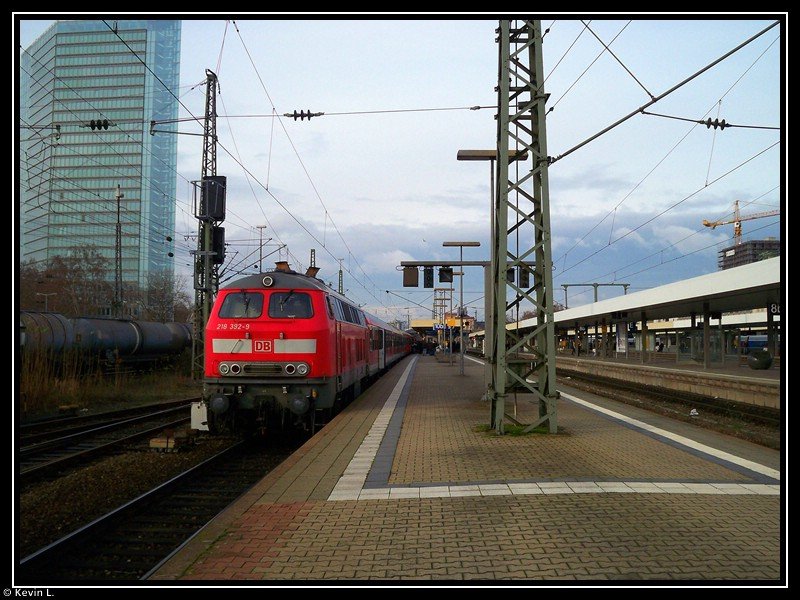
283	349
102	341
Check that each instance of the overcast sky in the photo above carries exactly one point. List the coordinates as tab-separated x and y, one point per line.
381	184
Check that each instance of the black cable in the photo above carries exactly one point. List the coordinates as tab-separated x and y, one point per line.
611	52
664	94
694	193
709	123
613	210
350	253
589	66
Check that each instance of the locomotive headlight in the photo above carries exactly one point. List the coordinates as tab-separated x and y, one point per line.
302	369
290	369
223	368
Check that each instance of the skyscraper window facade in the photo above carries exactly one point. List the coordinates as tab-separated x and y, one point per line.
91	174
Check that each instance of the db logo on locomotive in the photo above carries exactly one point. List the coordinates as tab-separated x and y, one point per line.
262	345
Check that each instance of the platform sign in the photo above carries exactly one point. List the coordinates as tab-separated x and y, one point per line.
622	337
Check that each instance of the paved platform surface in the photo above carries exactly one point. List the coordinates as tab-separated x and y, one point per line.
408	484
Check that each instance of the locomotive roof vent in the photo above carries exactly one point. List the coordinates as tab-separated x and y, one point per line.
312	271
283	265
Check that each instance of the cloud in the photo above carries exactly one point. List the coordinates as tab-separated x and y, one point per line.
632	235
687	241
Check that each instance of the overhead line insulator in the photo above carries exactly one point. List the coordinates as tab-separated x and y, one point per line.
303	114
715	123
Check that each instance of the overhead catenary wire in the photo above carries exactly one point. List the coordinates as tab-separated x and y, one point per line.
305	170
613	211
611	52
671	207
616	273
709	123
142	176
292	215
165	86
104	141
687	254
683	239
276	115
589	66
277	193
664	94
249	183
563	56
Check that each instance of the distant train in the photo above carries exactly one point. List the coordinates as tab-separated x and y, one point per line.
749	343
282	348
103	341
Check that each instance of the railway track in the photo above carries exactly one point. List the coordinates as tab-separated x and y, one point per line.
131	541
41	430
54	445
739	410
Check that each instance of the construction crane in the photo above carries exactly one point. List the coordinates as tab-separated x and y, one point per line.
737	221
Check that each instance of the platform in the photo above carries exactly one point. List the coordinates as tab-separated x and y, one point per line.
408	484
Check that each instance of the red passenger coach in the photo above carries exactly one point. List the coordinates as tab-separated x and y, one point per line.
282	346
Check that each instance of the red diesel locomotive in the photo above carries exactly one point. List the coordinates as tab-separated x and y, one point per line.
281	347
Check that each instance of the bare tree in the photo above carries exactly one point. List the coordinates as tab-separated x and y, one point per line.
74	285
166	298
82	279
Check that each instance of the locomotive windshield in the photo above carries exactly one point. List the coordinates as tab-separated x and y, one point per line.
242	305
290	305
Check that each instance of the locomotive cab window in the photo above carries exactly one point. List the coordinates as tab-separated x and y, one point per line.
290	305
242	305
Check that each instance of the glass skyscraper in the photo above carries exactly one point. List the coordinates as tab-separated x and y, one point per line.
88	93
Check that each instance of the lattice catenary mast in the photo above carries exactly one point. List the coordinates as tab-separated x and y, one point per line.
521	236
211	238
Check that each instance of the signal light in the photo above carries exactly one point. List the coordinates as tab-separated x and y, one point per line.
524	277
428	277
98	124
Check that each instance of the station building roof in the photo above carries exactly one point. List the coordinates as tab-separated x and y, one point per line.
756	285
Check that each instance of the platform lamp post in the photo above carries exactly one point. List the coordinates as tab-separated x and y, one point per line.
460	246
489	155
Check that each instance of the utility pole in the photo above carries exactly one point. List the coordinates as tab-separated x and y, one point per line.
211	211
46	296
260	245
118	259
341	278
624	286
522	362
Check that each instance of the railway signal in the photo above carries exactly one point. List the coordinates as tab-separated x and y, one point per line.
98	124
428	277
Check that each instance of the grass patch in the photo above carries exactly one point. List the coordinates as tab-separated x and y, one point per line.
46	386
